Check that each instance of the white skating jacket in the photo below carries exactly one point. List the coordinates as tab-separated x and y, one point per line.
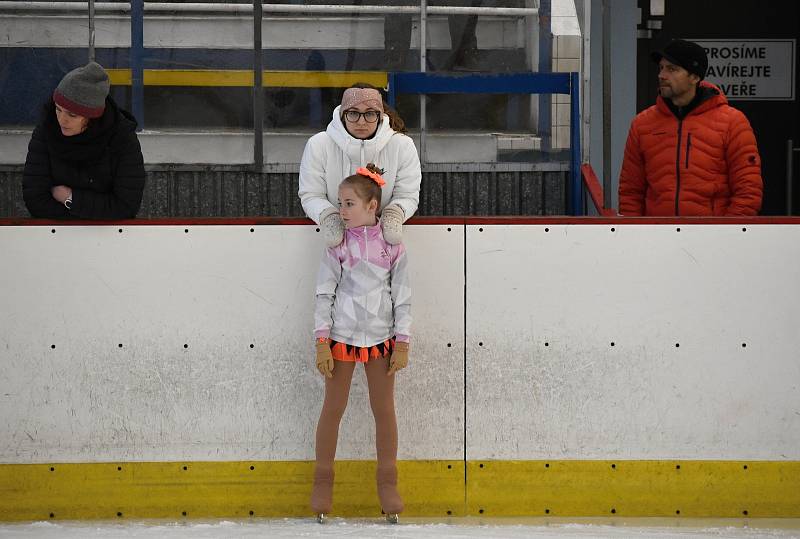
363	293
332	155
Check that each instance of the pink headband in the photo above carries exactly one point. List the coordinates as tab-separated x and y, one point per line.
356	96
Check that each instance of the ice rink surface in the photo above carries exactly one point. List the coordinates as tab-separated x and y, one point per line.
463	528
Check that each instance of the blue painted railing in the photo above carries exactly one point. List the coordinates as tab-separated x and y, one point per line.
511	83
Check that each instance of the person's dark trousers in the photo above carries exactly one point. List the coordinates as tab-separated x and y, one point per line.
463	35
396	37
463	40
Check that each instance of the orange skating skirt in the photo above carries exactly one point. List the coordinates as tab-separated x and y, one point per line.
348	352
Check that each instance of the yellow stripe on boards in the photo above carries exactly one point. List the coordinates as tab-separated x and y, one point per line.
244	78
429	489
119	77
198	77
634	488
215	489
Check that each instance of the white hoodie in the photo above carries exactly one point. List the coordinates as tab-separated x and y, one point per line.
334	154
363	292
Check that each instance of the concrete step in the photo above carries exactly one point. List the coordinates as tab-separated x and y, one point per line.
236	147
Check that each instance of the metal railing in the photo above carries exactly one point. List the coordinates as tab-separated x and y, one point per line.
138	8
596	191
519	83
543	83
197	7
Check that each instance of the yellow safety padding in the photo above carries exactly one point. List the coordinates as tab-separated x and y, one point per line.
244	78
429	488
634	488
78	491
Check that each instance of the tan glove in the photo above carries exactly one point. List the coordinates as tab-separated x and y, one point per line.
324	359
399	359
332	227
392	218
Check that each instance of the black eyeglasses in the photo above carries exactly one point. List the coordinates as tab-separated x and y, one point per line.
370	116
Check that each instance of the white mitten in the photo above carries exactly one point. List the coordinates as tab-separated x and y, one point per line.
392	219
332	227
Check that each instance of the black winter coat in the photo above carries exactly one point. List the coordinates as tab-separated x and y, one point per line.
103	166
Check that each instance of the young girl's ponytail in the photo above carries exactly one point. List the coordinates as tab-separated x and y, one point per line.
367	182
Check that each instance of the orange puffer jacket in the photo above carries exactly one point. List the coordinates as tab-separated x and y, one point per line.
706	164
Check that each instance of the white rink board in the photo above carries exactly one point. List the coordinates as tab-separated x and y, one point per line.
577	288
217	289
646	288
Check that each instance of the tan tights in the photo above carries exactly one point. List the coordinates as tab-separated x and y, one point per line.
381	399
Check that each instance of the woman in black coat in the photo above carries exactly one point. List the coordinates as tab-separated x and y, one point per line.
84	160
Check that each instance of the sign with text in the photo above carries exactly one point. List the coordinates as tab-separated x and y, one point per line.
752	70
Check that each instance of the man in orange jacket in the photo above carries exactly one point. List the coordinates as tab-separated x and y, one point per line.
690	154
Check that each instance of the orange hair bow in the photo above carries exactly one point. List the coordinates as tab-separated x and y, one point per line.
374	176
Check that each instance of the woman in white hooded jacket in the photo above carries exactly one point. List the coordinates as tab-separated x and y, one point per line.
363	130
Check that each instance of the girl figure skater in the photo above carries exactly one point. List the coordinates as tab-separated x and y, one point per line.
362	316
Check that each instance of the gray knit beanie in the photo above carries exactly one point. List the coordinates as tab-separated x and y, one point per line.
84	90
